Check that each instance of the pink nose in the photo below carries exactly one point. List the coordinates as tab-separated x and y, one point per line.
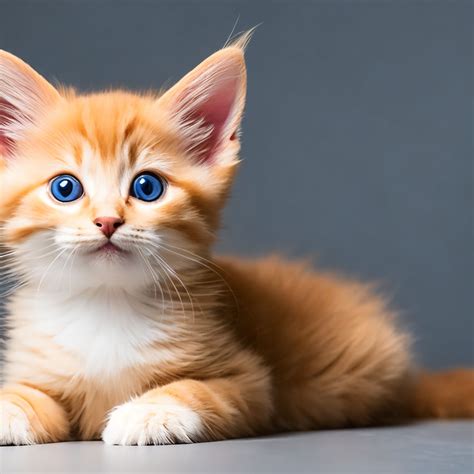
108	225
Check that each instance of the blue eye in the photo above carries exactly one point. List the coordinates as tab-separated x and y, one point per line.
147	187
66	188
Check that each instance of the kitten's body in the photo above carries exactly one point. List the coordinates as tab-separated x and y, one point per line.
161	342
291	335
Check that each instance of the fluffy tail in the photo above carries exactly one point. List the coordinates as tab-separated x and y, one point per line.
447	394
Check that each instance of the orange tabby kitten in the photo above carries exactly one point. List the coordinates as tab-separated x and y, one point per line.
123	326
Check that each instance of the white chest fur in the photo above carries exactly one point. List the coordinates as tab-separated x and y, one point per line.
105	330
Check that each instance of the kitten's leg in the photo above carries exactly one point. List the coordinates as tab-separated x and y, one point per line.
29	416
190	410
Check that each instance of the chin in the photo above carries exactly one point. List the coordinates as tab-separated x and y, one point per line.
110	269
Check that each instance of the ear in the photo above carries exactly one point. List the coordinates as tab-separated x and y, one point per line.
24	97
207	104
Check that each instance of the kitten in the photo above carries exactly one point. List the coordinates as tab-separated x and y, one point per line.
123	326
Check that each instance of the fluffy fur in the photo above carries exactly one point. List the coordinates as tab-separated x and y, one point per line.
162	342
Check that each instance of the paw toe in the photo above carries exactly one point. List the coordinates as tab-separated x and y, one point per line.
165	421
15	427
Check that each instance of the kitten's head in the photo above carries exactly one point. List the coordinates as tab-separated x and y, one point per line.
114	188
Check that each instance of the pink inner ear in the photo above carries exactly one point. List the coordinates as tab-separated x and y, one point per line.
214	112
6	117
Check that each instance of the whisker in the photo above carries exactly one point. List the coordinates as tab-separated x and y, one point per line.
154	276
165	279
167	246
185	288
65	265
166	270
61	252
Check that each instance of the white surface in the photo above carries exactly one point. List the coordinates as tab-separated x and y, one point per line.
427	448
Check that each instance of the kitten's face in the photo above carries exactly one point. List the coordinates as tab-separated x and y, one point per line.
114	188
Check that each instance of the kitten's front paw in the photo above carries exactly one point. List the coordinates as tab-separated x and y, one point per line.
15	427
165	421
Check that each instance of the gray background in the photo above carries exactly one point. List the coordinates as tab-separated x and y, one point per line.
357	137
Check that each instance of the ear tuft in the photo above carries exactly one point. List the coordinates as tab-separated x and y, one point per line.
208	103
241	40
24	97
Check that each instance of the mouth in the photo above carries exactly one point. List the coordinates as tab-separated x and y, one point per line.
110	249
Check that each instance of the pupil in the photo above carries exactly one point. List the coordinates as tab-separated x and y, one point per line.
147	186
65	187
